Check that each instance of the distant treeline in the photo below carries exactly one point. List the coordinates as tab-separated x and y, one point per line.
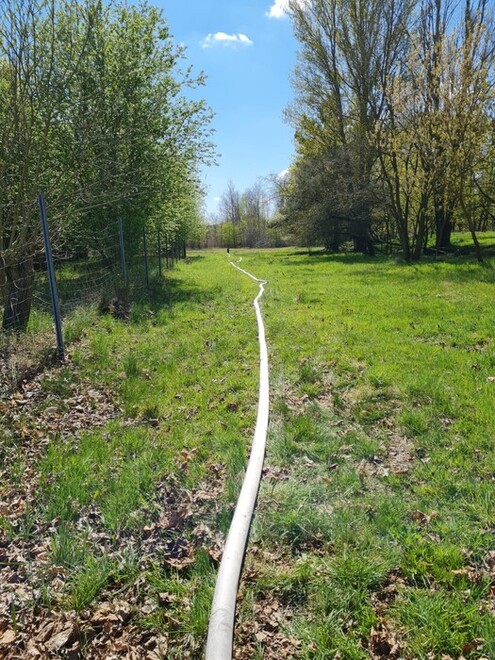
247	219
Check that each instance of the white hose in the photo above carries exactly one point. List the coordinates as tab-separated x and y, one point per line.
221	626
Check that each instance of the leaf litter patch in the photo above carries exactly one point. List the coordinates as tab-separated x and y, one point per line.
37	616
396	457
22	357
384	641
56	403
181	524
264	622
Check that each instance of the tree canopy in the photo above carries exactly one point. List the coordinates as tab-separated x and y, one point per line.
394	120
94	112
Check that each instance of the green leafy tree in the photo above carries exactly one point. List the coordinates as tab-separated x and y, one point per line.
393	121
93	113
140	140
36	68
348	49
433	135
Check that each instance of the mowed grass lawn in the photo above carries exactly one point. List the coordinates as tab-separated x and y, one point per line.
374	533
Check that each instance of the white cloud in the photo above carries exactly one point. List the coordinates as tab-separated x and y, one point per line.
281	7
282	175
278	9
224	39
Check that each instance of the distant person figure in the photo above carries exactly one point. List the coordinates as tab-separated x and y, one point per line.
228	250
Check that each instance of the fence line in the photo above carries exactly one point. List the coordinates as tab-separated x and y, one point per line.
115	264
51	278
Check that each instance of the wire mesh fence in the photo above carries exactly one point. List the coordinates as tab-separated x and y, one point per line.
102	274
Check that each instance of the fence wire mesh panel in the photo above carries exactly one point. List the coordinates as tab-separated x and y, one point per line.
82	275
94	271
27	337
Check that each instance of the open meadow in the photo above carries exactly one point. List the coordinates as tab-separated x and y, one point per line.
374	530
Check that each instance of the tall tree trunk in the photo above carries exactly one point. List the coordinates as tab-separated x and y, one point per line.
466	209
18	296
443	234
419	242
443	225
420	232
477	245
402	230
364	245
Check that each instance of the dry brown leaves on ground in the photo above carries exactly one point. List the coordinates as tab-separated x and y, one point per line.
35	412
396	458
384	641
263	625
67	635
35	621
109	628
23	356
265	630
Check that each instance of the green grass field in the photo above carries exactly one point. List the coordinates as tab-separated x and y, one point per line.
374	532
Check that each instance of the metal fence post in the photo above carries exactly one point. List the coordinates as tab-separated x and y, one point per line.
122	251
159	255
145	249
51	278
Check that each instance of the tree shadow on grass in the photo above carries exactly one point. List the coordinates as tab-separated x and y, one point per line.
165	293
457	267
194	257
321	257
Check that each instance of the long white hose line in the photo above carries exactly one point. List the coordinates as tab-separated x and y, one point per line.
221	626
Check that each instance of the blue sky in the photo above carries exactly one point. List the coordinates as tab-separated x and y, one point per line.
247	51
